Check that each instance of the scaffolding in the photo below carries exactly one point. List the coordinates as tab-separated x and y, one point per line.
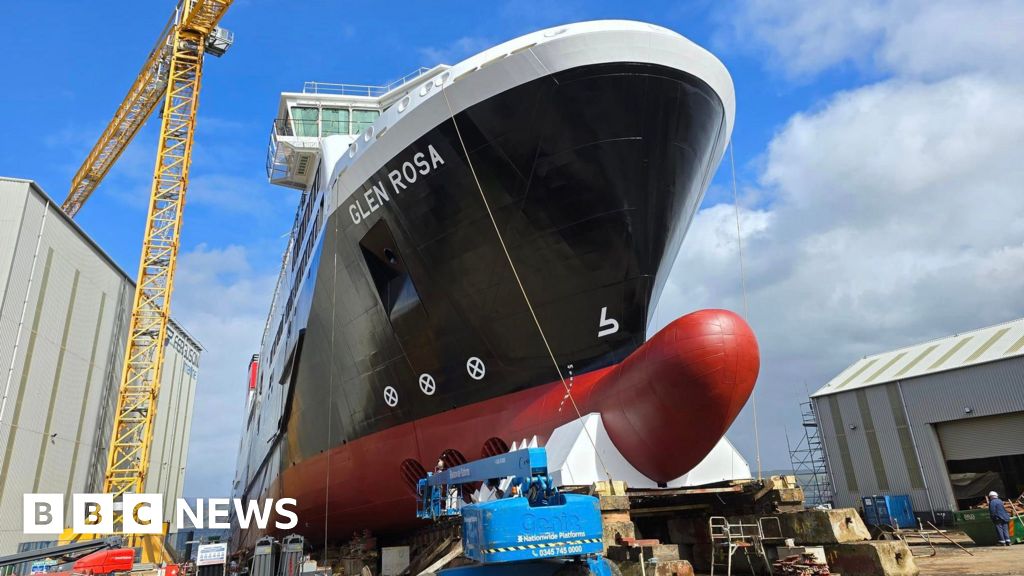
809	461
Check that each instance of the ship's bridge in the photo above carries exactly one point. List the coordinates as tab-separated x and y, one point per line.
325	109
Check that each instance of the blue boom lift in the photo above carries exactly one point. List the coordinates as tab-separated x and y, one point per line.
531	528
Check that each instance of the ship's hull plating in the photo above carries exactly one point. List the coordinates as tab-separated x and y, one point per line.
576	189
664	407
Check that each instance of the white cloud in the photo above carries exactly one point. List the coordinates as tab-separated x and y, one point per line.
223	302
935	39
917	38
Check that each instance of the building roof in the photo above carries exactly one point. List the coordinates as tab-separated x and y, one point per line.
957	351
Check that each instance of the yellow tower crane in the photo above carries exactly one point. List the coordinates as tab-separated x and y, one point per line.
172	73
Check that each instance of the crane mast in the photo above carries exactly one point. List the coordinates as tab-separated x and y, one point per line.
173	73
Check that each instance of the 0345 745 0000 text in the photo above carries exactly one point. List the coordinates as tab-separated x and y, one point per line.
143	513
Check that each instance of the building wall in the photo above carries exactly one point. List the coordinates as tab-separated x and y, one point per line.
63	318
882	458
987	389
173	418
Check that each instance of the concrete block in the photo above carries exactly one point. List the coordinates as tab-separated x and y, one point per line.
616	516
791	495
824	526
889	558
620	529
608	503
780	493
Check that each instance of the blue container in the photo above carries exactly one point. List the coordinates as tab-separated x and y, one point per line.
889	510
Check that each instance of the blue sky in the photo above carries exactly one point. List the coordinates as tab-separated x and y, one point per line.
835	245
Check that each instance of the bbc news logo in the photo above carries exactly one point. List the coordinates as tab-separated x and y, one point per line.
144	513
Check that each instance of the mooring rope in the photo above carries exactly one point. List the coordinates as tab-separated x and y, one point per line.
743	290
522	289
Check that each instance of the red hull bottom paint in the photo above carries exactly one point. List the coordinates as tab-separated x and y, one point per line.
665	407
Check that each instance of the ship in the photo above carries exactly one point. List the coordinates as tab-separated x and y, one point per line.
476	256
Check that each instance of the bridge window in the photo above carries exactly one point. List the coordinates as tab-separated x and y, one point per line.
335	121
304	121
363	118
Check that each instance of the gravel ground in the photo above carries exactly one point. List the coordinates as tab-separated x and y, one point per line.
987	560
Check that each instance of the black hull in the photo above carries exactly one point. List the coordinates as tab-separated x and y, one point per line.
592	176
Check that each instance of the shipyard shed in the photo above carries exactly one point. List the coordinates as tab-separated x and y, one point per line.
64	311
941	421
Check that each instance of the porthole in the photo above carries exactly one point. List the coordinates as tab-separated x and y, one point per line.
368	133
403	104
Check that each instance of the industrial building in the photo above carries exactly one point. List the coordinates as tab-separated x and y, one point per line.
941	421
64	311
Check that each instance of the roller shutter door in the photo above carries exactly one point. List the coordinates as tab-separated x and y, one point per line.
983	437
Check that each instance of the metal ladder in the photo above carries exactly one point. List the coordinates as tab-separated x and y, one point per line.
729	537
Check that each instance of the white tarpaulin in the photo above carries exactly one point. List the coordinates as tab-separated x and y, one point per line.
573	461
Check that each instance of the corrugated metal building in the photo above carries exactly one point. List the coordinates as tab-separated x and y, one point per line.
64	311
942	421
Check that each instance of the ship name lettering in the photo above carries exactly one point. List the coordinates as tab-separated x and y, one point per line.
376	197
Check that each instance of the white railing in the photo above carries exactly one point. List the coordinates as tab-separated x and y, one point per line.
360	89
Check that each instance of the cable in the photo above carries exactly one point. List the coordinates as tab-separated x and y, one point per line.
746	309
330	400
24	308
515	273
54	436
